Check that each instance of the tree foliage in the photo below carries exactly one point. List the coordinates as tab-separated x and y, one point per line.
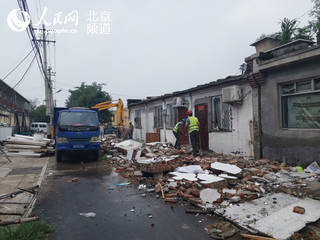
314	24
290	30
89	95
39	114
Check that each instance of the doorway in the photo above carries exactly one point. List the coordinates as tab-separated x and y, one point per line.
201	112
182	113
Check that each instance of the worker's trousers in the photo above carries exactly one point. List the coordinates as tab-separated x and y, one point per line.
177	144
194	138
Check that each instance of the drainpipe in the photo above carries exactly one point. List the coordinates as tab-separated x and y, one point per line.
164	114
259	119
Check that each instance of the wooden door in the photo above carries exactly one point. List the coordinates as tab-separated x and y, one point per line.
182	113
201	112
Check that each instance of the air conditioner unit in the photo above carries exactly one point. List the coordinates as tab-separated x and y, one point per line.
231	94
177	102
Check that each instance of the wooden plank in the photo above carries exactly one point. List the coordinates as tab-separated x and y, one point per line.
196	211
17	221
256	237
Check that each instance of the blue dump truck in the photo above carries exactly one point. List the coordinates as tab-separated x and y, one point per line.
76	131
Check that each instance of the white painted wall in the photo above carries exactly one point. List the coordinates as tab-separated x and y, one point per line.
239	140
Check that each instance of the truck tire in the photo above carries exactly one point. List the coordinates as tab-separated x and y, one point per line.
58	156
95	155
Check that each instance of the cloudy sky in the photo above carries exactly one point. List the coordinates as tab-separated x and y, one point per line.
153	47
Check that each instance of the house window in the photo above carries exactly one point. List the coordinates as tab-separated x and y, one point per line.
137	119
221	115
301	104
172	116
158	118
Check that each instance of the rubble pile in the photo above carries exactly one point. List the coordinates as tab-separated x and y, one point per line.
210	182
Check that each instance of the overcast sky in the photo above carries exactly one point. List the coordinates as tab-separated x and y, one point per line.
154	47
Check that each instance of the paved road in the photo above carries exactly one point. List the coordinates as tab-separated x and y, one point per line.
61	201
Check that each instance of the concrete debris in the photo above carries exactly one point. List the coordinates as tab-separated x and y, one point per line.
227	186
190	169
221	230
209	195
233	169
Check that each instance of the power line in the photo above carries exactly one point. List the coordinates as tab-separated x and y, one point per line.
18	65
25	73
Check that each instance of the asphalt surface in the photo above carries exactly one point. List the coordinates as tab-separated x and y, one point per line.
121	211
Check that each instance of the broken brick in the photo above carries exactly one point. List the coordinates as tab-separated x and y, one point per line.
299	210
173	200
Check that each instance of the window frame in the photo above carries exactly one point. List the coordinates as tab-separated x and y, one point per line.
172	116
137	119
158	117
222	107
296	92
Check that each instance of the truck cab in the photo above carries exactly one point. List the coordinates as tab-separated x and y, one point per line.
76	130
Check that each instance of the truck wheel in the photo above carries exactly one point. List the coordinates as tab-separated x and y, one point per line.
95	155
58	156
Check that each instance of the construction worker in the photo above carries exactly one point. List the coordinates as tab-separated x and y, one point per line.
193	129
176	131
131	128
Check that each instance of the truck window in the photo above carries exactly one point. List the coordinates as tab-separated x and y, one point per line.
78	119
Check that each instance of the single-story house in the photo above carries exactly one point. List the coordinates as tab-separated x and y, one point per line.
223	107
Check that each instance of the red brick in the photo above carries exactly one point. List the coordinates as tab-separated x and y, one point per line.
194	201
181	194
275	168
195	192
299	210
188	196
173	200
228	195
172	195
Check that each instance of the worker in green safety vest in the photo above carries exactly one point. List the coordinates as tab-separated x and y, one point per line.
177	131
193	128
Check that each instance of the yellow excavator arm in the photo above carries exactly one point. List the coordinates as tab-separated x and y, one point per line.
109	104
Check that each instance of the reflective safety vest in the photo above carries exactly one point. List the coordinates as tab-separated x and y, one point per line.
176	127
193	126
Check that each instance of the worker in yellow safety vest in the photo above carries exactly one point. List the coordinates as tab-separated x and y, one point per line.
193	128
177	131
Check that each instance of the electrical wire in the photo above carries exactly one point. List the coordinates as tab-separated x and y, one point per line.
26	72
18	65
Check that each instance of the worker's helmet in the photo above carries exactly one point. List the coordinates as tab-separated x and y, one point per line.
130	121
183	120
189	112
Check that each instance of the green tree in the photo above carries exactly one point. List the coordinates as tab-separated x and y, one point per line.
39	114
314	24
88	96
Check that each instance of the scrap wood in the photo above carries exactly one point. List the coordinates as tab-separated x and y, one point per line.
18	192
32	191
256	237
195	211
11	214
22	203
17	221
162	191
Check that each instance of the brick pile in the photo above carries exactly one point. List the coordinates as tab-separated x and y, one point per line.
251	183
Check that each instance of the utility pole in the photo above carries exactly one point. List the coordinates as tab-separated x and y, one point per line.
47	81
